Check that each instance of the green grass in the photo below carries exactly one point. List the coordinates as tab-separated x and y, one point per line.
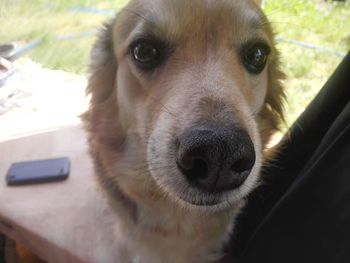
316	22
29	20
312	21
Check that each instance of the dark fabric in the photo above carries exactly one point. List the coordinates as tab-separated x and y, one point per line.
301	213
2	248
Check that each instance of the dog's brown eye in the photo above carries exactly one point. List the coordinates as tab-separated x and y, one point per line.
146	54
255	58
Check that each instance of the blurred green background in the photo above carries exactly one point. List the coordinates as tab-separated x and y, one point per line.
313	36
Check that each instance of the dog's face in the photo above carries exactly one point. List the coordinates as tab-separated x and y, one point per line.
185	95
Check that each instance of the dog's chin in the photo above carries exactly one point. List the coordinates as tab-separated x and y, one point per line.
209	205
205	204
191	198
212	202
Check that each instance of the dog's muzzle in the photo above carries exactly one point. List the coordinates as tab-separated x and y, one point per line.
215	158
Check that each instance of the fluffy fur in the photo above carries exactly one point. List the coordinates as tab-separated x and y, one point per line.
134	115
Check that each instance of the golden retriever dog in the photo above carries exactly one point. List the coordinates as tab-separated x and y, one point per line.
184	98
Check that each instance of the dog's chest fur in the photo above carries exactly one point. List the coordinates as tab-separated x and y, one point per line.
163	234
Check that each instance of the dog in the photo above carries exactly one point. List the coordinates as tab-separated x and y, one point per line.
185	96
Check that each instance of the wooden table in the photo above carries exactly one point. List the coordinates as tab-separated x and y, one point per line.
69	221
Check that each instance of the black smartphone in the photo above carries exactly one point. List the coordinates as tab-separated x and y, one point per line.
40	171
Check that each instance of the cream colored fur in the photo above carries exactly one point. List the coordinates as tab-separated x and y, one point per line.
134	116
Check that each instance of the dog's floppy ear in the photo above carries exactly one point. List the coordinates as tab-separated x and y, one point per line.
101	119
259	2
102	66
272	114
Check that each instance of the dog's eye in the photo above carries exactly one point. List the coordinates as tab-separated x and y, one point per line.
146	54
255	57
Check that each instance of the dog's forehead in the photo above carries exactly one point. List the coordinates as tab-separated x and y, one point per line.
184	11
176	19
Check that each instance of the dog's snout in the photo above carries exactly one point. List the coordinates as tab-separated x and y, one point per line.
215	159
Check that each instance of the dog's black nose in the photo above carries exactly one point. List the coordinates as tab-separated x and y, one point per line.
216	159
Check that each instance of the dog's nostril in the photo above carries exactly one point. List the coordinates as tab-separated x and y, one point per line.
241	168
194	169
242	165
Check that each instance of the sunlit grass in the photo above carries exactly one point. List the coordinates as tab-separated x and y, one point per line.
324	24
25	21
